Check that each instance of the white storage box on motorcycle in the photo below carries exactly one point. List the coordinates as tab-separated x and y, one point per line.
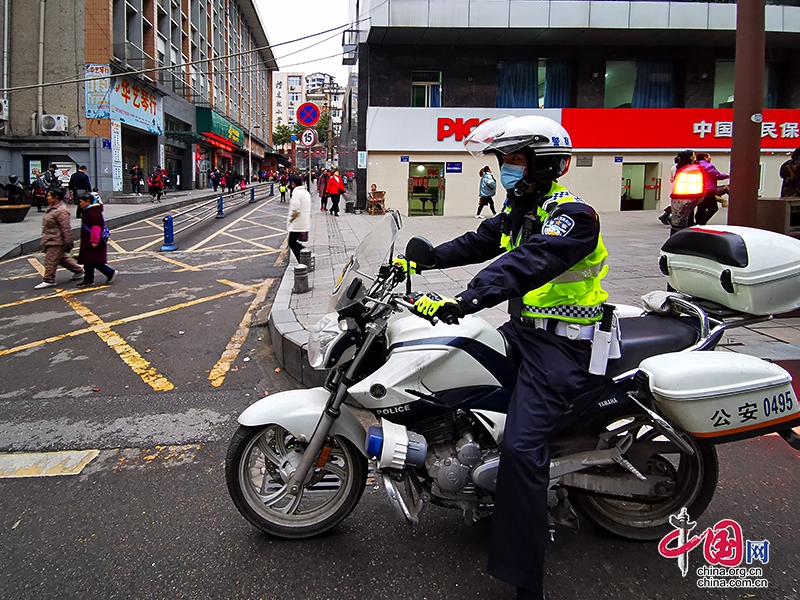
747	270
722	394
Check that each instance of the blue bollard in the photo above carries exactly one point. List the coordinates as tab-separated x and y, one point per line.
169	236
220	212
252	195
271	189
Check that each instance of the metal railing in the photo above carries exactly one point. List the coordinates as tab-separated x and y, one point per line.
215	207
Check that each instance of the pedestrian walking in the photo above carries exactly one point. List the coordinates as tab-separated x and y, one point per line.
282	190
708	205
155	184
334	189
322	187
93	254
299	219
79	185
57	240
137	176
165	181
215	179
790	173
486	191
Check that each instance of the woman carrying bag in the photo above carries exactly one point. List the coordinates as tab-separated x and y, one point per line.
335	188
94	242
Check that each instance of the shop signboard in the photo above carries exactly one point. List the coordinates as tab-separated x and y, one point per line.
135	106
34	170
362	159
97	83
673	128
218	128
116	155
453	167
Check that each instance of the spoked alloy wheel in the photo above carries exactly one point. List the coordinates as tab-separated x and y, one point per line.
258	467
694	480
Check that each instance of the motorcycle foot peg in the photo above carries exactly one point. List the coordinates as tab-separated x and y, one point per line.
552	533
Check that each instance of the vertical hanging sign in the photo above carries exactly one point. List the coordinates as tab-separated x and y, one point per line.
116	155
97	84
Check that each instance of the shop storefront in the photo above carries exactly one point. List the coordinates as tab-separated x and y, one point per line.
222	137
621	158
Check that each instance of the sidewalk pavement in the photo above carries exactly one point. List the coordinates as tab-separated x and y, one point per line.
24	237
633	240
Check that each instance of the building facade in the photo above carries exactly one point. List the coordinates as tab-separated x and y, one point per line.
288	93
179	84
633	82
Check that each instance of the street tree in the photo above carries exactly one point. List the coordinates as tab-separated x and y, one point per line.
282	135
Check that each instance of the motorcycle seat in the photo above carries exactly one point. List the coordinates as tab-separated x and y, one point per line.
649	335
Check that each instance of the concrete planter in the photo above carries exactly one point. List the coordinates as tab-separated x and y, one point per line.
14	213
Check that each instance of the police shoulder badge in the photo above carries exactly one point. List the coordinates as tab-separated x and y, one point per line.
560	225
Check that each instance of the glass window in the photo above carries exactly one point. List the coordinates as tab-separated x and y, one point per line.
620	80
642	84
295	96
426	88
723	85
294	80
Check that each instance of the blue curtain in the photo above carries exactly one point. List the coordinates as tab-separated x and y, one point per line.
436	96
655	87
557	84
518	84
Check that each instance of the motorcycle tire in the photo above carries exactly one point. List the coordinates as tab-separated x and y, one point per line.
696	482
258	465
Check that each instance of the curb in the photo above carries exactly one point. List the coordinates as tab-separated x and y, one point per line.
289	337
32	245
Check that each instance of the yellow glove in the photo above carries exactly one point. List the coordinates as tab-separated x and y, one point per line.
405	264
431	305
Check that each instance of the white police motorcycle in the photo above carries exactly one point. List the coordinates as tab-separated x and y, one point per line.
636	445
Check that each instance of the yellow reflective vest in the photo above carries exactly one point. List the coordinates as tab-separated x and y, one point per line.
575	296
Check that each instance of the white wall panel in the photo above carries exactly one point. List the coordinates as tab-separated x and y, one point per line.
569	14
722	16
773	18
688	15
609	15
791	19
528	13
649	15
408	13
488	13
378	10
449	13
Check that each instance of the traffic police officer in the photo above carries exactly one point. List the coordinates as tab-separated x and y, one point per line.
550	260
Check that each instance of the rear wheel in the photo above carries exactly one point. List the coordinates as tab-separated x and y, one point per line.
694	481
258	467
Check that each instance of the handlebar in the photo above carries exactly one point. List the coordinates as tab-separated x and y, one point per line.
407	302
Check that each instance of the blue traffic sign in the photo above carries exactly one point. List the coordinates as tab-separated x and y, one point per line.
308	114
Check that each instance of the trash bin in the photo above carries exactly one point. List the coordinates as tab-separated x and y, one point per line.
349	206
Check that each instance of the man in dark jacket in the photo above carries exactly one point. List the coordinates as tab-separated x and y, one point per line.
79	185
790	173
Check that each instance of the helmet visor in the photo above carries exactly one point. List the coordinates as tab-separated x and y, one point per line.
505	135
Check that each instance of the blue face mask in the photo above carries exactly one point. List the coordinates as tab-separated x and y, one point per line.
510	175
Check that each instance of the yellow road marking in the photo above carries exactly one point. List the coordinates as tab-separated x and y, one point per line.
117	247
125	351
230	260
139	317
57	295
217	375
246	241
175	262
265	226
45	464
147	245
253	289
224	229
37	265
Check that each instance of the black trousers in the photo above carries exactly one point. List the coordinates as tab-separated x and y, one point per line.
551	368
706	209
486	200
335	204
88	271
294	244
137	186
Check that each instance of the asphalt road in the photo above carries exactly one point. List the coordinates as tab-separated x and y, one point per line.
151	372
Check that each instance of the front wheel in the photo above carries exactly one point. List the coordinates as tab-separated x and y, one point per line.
259	464
694	481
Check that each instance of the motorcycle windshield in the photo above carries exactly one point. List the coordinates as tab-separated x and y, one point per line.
376	249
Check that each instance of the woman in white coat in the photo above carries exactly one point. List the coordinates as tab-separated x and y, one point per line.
299	219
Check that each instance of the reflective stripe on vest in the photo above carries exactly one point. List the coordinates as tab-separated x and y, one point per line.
576	295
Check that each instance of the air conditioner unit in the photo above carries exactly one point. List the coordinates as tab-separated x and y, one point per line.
4	109
54	123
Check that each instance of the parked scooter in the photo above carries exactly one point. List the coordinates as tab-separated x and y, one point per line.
636	446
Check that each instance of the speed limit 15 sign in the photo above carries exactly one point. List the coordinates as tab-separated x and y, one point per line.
308	138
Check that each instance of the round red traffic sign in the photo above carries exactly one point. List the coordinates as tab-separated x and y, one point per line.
308	138
308	114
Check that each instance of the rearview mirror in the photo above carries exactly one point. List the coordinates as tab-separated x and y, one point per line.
420	251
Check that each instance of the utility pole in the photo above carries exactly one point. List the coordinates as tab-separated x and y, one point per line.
748	103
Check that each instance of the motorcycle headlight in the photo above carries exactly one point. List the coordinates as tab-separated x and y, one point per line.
322	340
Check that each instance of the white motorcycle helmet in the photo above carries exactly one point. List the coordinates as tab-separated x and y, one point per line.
546	144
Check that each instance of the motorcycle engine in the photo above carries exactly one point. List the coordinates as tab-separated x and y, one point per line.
450	464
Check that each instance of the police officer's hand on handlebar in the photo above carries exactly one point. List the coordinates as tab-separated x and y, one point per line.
435	308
